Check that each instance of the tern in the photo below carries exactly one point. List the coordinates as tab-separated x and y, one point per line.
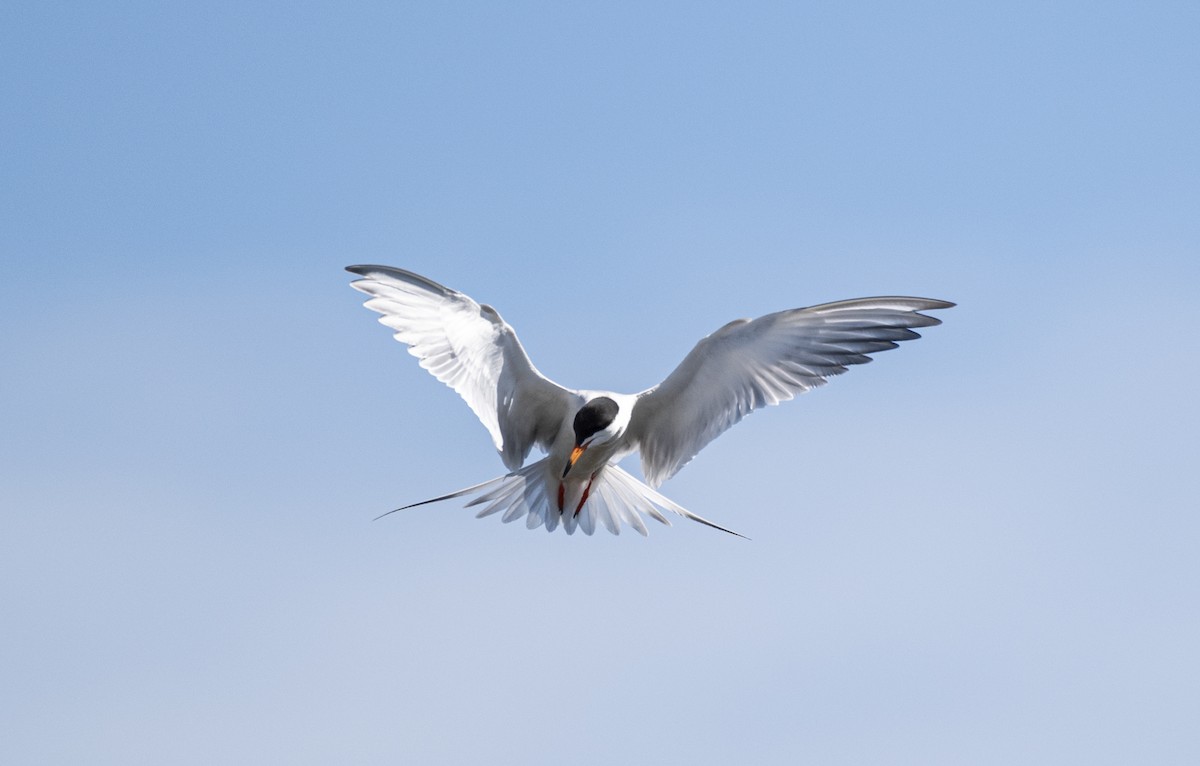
744	365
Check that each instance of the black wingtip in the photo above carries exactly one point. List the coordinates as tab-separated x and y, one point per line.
411	277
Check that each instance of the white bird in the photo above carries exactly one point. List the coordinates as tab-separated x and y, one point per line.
742	366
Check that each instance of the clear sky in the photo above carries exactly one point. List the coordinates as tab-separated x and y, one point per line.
979	549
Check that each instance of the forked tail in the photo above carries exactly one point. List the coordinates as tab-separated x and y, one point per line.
616	498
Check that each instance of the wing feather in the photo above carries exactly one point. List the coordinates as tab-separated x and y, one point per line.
470	348
750	364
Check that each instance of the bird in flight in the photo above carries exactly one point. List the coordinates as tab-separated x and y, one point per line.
741	367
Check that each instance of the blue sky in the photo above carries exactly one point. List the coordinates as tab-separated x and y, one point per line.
979	549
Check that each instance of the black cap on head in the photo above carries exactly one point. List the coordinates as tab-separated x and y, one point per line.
594	416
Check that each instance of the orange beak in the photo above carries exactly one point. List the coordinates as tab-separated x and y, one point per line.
575	453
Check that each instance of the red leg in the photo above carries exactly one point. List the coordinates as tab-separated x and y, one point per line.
583	499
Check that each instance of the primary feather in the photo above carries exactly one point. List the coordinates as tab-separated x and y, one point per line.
470	348
749	364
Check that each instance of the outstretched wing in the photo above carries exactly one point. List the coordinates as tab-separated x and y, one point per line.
748	364
470	348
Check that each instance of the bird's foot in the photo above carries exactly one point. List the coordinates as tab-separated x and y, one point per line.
583	499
